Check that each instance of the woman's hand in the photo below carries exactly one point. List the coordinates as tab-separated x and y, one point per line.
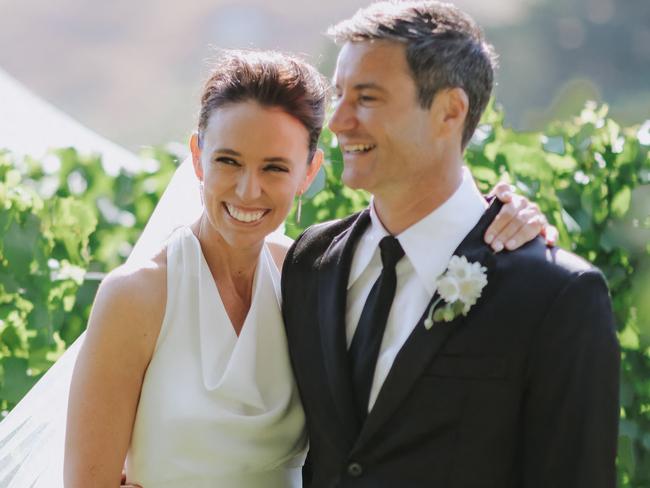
518	222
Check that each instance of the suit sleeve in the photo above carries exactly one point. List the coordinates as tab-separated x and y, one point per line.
572	398
287	269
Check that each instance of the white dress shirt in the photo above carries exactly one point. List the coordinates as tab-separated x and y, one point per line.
428	246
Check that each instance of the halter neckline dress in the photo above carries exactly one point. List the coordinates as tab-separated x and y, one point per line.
216	409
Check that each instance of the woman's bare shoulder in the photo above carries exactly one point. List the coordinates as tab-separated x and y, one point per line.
131	302
139	285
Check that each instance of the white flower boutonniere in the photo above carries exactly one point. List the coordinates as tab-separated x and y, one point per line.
460	286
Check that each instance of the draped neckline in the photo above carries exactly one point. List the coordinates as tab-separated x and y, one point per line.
214	288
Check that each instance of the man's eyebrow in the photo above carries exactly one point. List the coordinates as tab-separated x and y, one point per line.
225	150
369	86
364	86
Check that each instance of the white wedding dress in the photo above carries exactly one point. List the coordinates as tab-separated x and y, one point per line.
254	434
217	409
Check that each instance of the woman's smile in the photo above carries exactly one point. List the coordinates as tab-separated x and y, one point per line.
245	215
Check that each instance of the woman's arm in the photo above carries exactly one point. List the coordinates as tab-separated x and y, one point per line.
122	332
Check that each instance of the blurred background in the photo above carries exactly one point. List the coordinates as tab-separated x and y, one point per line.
104	81
118	78
132	71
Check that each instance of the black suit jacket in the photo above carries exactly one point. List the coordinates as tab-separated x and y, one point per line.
522	392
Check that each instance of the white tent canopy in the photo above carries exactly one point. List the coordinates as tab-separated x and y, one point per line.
30	125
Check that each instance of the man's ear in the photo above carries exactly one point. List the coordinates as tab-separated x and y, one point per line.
456	107
449	111
196	156
312	170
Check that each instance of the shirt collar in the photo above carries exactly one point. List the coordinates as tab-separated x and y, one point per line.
429	243
367	246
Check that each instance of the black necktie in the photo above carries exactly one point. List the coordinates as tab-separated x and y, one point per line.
366	341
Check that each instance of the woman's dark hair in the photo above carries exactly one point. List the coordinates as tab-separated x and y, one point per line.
271	79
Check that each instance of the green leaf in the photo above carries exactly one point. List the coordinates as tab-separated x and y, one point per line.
8	282
621	201
439	314
561	163
626	456
11	339
12	177
626	394
526	162
16	381
19	243
629	338
39	317
457	307
485	174
72	223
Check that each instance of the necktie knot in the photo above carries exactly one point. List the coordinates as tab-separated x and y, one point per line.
391	251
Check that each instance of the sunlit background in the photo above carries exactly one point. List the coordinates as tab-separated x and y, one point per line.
132	71
118	76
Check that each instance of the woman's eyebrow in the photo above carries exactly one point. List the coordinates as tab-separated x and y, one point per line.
277	159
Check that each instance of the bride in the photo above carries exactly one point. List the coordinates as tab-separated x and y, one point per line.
217	405
184	370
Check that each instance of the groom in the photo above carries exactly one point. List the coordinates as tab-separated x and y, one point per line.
399	389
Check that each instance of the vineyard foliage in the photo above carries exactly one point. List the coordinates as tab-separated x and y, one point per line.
64	222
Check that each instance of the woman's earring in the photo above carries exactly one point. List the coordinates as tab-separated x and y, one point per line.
299	209
201	192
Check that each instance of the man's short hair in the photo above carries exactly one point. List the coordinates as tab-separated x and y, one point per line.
445	48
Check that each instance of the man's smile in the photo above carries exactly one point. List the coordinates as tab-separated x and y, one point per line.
357	148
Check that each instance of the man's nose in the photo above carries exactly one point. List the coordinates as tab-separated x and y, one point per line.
248	186
344	117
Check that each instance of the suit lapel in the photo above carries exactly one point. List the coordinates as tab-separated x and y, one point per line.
333	273
423	345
